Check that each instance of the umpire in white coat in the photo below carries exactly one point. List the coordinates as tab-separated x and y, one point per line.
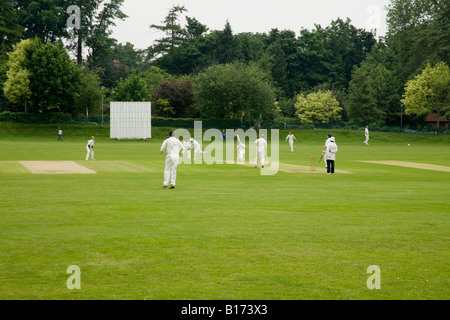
331	155
173	146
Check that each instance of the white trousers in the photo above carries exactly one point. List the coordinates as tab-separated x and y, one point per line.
89	152
170	171
187	153
366	142
260	156
291	144
198	151
242	155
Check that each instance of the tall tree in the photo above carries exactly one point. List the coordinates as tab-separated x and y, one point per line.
235	91
50	78
429	92
43	19
346	47
132	88
17	84
179	94
317	107
90	94
10	29
418	31
374	91
226	50
174	33
54	78
97	18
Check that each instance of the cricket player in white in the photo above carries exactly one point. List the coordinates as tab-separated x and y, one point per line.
366	132
261	146
291	138
90	148
187	149
173	146
197	148
241	150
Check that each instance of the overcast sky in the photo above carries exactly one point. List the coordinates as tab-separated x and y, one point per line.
248	16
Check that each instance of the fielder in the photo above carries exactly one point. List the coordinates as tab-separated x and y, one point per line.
60	134
187	149
173	146
241	150
291	138
366	133
90	148
261	146
197	148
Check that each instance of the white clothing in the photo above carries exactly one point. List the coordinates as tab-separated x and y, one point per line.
187	149
291	138
331	151
325	152
173	147
261	146
197	148
366	132
241	152
90	149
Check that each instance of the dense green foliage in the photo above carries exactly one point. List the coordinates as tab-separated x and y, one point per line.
366	75
429	92
234	91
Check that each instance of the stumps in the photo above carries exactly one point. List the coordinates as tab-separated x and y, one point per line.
312	164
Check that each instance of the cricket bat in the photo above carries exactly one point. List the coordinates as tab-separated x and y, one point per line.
321	158
239	140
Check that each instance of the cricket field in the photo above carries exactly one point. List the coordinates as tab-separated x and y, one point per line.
226	231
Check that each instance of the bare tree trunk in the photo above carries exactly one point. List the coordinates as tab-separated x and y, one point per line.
79	51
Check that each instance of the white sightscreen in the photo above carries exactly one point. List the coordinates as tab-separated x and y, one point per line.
130	120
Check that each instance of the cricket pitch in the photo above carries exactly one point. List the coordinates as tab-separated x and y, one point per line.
55	167
415	165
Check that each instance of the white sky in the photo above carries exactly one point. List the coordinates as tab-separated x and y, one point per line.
248	16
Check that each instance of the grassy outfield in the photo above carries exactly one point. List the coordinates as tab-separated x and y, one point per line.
226	231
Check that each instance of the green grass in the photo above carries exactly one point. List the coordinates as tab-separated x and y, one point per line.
225	232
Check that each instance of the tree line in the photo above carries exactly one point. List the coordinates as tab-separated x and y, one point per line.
333	73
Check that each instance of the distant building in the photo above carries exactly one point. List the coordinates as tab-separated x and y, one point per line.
431	120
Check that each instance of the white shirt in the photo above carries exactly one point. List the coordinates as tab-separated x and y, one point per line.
331	151
173	145
90	144
195	145
291	138
261	145
241	147
366	131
